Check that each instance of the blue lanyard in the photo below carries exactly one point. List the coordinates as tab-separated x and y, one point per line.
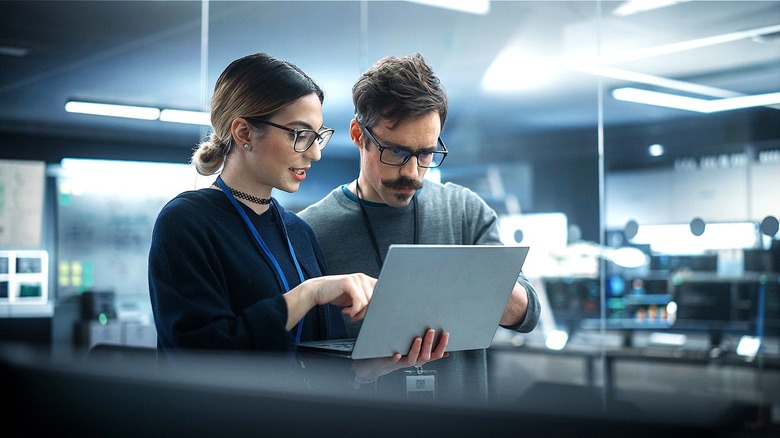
264	247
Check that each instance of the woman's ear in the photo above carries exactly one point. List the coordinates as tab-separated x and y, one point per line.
356	133
240	130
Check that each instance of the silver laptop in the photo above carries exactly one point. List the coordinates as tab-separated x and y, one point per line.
460	289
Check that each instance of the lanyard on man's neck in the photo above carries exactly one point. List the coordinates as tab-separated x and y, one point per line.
279	273
370	229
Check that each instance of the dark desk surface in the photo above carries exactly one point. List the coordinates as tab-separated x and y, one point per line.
237	395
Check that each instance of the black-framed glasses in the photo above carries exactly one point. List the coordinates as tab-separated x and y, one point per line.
302	138
397	156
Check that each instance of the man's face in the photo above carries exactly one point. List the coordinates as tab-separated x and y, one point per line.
394	185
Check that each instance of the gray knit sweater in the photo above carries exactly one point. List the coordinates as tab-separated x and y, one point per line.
447	214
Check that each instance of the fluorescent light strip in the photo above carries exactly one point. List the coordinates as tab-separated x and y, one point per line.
190	117
480	7
644	78
656	98
647	97
139	112
110	176
104	109
635	6
682	46
601	69
14	51
740	102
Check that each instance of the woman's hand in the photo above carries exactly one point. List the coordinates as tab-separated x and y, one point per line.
420	353
352	292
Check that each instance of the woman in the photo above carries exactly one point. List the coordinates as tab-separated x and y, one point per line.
229	268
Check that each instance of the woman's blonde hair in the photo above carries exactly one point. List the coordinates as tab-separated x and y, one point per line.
257	85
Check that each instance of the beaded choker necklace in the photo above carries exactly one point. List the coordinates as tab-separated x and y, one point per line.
246	196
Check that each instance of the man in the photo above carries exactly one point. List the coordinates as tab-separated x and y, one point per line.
400	109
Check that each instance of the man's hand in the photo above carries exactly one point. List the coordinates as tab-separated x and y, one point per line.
421	352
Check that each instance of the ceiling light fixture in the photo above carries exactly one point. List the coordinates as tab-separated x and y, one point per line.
658	81
189	117
603	67
682	46
657	98
14	51
104	109
139	112
635	6
480	7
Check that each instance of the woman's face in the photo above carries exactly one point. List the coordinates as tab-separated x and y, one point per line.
271	160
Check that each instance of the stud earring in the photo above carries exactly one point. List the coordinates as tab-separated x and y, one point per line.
247	147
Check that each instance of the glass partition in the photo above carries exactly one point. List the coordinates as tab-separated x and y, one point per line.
691	175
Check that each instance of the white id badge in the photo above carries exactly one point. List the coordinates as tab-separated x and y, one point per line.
420	384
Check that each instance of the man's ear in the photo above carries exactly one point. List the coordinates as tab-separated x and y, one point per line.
240	130
356	133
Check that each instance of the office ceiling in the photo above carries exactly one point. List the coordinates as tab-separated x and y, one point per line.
150	53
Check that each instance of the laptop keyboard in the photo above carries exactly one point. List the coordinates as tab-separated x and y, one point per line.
339	345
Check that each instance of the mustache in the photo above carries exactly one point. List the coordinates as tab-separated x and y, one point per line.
403	183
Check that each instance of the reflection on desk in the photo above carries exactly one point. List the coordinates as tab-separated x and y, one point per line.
251	394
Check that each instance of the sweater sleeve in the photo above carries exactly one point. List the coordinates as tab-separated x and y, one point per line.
533	310
488	234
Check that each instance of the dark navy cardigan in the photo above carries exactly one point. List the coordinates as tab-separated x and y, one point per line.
212	287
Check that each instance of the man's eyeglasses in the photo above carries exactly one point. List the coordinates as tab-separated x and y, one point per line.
396	156
302	138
